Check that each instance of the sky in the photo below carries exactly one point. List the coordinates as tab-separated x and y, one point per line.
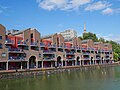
101	17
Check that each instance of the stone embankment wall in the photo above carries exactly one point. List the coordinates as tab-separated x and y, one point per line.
38	72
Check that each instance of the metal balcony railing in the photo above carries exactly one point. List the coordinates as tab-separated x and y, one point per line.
70	52
42	44
48	58
107	58
21	43
86	53
48	51
86	58
16	58
15	50
71	58
107	54
33	44
60	46
51	45
98	58
8	41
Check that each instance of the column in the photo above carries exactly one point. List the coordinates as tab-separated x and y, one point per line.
61	63
101	61
21	65
65	63
36	64
42	64
28	65
80	62
83	62
55	63
90	62
51	64
7	65
75	62
94	61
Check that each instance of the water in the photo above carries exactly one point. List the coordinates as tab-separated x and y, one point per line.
97	79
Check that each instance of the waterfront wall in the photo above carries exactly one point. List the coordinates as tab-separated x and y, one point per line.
37	72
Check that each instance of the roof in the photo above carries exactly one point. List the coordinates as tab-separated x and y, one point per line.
97	42
47	36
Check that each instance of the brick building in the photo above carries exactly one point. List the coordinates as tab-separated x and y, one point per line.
26	49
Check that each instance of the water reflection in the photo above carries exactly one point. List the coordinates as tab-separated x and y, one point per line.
83	79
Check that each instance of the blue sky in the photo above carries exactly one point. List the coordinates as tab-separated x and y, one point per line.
51	16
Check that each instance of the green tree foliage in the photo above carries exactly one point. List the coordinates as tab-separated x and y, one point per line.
101	40
90	35
115	56
116	49
115	45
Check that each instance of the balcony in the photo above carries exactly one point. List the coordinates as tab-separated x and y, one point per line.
70	57
84	48
92	49
60	46
67	47
107	58
48	58
86	58
52	46
9	42
107	54
33	44
70	53
18	58
48	52
86	53
98	58
73	58
20	43
15	50
78	48
42	45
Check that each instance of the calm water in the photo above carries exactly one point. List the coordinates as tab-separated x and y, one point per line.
98	79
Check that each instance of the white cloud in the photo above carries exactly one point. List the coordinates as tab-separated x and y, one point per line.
108	11
62	4
51	4
115	38
69	5
97	6
2	9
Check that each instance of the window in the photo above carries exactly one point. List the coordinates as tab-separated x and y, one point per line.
0	46
32	35
0	37
39	55
3	55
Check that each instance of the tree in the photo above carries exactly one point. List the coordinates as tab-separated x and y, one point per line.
116	56
90	35
101	40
